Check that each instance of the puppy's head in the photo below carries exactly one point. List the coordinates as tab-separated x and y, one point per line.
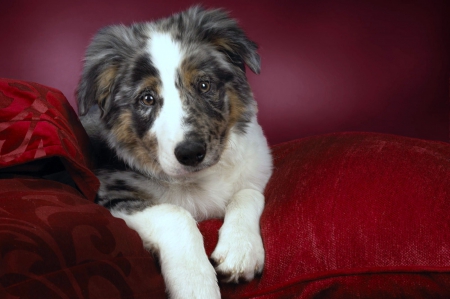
171	91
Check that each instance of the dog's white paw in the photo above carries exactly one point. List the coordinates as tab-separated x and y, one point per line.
198	281
171	232
239	255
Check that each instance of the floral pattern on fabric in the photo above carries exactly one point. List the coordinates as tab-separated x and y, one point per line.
56	244
37	122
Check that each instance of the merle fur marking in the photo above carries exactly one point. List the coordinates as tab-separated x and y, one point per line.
173	121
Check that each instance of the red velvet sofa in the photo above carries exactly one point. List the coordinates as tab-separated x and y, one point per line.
348	214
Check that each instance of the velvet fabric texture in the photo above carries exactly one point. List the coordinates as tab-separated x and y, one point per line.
348	215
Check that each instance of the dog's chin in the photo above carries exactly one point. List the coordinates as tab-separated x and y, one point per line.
180	172
184	172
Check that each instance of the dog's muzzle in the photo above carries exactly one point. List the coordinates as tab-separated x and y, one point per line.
190	153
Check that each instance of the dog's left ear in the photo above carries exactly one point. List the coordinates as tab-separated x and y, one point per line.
216	27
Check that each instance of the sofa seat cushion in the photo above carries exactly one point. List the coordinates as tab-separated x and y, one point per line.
56	244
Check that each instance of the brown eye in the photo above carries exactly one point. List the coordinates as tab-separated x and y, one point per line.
204	86
147	99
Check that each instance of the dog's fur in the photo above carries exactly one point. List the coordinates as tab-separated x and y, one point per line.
172	117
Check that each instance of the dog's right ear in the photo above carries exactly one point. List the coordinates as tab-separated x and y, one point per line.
104	57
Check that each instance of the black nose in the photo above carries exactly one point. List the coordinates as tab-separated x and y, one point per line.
190	153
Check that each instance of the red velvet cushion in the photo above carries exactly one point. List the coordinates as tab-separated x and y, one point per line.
356	215
353	215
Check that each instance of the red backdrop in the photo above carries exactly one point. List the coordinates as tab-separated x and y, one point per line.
326	65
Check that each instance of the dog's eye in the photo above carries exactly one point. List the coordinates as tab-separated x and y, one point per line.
204	86
147	99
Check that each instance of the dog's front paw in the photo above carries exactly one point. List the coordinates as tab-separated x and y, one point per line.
239	254
197	281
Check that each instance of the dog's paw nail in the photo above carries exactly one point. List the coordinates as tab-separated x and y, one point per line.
256	268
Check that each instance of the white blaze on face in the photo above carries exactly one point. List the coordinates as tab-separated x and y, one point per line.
168	127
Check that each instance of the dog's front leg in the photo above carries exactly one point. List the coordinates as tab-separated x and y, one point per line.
172	233
240	252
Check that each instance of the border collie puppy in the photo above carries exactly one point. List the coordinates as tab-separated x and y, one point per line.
171	115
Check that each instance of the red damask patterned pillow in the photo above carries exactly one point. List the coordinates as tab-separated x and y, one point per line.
37	123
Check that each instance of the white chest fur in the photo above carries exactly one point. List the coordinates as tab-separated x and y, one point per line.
245	164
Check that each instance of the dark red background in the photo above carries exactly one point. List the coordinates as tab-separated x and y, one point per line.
326	65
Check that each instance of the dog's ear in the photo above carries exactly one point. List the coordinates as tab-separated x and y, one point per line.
104	57
215	26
